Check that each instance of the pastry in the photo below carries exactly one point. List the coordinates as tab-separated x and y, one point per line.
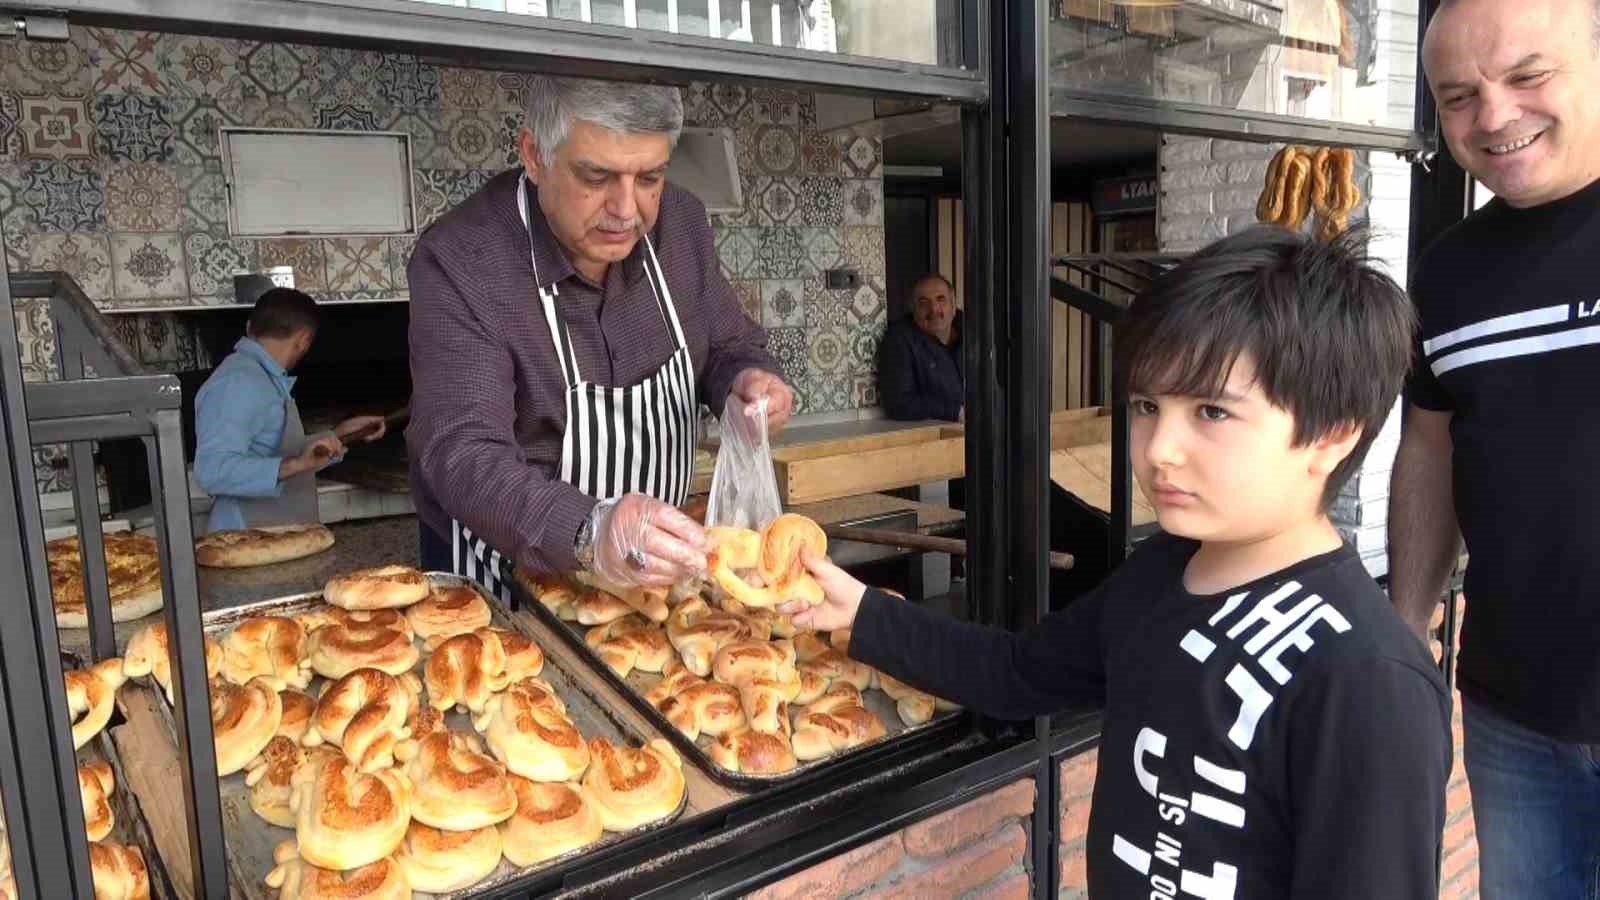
697	632
538	692
453	785
596	607
95	784
553	594
91	697
244	547
345	819
832	666
438	862
648	602
464	671
533	739
322	615
133	574
524	659
753	753
1270	207
782	541
147	654
296	879
272	647
270	775
383	587
839	639
632	787
552	819
914	707
244	717
449	611
765	674
705	708
837	721
629	643
298	708
338	648
364	714
1297	192
119	872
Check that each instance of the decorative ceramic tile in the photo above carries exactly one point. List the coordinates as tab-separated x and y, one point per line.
358	264
868	303
36	338
10	131
64	195
863	348
157	341
133	127
697	109
363	295
440	190
143	197
749	294
15	219
729	104
777	149
863	201
467	88
830	393
205	198
864	391
736	248
49	467
511	91
194	66
126	329
275	112
189	351
863	157
507	136
820	153
467	140
807	112
825	308
347	117
126	61
305	256
84	255
213	260
863	248
405	81
30	66
827	350
147	265
400	249
781	253
277	71
425	140
778	203
345	76
427	197
751	189
821	201
775	106
55	128
824	249
788	347
783	302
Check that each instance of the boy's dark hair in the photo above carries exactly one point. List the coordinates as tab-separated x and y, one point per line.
281	312
1330	334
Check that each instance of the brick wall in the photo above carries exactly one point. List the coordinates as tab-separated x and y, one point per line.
1077	783
977	850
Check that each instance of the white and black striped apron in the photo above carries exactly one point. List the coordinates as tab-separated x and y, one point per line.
617	440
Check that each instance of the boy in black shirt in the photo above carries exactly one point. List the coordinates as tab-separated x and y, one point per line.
1271	728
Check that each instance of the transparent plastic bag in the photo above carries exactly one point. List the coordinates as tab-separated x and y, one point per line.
744	491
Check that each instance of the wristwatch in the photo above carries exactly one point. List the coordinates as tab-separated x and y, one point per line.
583	544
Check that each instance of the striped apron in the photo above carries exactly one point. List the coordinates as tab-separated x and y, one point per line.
617	440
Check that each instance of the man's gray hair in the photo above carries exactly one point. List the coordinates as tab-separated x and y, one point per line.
553	104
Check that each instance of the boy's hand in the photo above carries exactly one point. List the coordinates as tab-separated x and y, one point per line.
841	591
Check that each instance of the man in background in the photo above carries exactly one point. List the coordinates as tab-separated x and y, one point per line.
919	365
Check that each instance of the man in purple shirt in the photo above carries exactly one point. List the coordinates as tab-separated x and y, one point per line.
566	323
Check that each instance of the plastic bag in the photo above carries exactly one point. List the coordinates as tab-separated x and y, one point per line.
744	491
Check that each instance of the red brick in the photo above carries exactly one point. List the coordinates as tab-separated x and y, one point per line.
957	874
1077	774
1017	887
1074	820
958	827
1074	869
841	875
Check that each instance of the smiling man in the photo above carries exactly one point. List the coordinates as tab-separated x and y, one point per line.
1501	433
566	323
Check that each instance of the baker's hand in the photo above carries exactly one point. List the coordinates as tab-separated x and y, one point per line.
641	541
751	385
841	593
353	425
313	456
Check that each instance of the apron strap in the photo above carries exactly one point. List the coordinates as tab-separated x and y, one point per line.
669	311
547	298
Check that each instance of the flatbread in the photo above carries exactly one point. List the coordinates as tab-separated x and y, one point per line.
244	547
133	570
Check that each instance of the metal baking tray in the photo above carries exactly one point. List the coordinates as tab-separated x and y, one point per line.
637	684
251	839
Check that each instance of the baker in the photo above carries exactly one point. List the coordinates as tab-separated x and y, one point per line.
252	454
567	320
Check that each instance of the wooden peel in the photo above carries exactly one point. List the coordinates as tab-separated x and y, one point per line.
909	540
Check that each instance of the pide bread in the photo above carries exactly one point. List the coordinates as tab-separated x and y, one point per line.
133	574
245	547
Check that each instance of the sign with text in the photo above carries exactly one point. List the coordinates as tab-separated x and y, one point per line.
1122	196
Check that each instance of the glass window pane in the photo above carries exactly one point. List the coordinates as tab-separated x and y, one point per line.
916	31
1348	61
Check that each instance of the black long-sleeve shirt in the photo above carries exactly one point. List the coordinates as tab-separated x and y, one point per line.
1288	738
918	377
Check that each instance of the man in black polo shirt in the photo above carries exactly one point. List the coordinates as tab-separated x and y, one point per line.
1502	433
919	365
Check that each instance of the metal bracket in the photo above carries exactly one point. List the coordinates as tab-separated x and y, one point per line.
38	27
1423	158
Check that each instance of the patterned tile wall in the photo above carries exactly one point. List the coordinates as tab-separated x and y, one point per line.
110	170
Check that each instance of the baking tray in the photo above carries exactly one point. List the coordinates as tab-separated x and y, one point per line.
251	839
637	684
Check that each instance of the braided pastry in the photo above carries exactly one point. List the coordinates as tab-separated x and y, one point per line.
448	612
95	784
270	775
438	862
364	714
552	819
147	654
1339	195
1270	207
632	787
119	872
345	819
697	632
1297	192
533	739
383	587
753	752
772	557
464	671
629	643
695	706
837	721
244	718
91	697
272	647
453	785
296	879
339	648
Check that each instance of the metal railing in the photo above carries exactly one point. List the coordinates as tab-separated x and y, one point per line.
104	394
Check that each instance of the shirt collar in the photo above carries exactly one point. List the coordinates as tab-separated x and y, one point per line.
554	266
252	348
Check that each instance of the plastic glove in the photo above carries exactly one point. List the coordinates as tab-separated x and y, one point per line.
640	541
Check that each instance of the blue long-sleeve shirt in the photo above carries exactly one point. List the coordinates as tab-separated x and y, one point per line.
239	421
